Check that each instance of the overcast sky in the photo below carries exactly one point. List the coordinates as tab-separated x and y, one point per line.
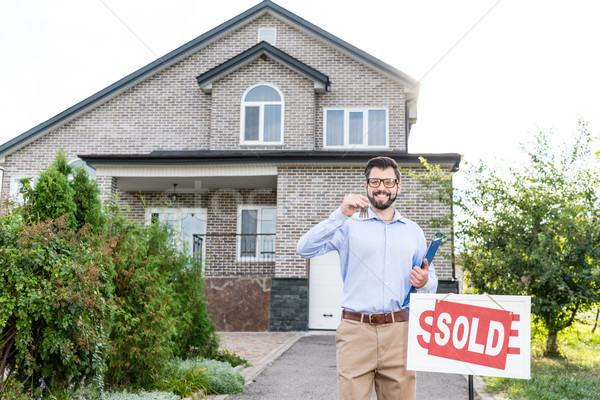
491	72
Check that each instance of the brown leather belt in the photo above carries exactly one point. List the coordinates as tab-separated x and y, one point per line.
377	318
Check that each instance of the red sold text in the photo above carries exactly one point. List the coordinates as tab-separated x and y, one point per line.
472	334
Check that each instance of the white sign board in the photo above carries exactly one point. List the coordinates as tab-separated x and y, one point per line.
470	334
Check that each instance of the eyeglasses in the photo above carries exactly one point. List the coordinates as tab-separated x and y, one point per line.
388	183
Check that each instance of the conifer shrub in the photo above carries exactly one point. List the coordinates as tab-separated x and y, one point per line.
160	307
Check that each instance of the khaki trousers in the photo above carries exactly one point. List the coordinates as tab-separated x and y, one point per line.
370	355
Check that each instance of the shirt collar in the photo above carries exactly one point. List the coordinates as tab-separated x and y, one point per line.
397	217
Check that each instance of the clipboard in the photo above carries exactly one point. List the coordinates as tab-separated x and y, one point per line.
431	250
433	247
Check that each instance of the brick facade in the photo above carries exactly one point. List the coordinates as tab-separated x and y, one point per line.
168	111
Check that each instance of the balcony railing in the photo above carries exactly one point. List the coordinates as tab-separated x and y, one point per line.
225	248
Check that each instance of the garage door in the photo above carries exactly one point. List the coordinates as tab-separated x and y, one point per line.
325	292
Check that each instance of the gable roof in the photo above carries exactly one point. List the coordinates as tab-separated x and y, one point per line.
267	6
263	48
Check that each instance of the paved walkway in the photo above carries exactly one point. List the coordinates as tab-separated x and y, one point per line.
286	361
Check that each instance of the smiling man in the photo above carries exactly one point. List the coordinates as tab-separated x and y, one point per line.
380	262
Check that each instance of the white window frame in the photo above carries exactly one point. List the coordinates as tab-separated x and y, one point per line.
265	33
15	185
258	257
88	169
365	145
261	112
178	212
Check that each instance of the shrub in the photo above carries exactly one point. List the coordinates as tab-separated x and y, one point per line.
144	323
72	389
12	389
185	380
88	207
51	198
161	310
231	358
62	261
196	328
222	377
55	291
210	376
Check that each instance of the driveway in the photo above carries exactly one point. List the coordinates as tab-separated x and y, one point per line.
307	371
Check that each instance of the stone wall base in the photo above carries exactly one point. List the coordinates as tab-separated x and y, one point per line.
289	304
239	304
257	304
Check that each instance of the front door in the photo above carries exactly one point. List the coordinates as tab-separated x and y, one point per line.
188	225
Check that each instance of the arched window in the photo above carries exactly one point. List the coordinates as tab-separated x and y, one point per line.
262	115
80	163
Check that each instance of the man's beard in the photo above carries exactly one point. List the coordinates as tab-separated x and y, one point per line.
381	205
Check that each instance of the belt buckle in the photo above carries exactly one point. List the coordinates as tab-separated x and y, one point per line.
377	313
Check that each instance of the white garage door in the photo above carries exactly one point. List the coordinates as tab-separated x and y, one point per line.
325	292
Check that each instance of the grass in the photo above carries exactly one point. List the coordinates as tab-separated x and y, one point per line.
576	375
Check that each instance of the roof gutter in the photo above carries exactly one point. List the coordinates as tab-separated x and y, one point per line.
170	158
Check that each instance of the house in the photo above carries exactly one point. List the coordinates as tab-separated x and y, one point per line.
241	140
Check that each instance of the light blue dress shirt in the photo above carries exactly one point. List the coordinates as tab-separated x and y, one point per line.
375	258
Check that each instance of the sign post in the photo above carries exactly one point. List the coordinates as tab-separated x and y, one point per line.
470	334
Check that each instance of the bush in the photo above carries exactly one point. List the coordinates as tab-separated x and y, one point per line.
222	377
12	389
231	358
77	289
88	207
52	196
196	328
144	323
55	291
213	377
161	311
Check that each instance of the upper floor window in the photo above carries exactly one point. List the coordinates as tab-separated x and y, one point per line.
356	127
262	116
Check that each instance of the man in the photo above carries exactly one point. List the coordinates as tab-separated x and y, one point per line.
380	261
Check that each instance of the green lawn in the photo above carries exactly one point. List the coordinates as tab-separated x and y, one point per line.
575	376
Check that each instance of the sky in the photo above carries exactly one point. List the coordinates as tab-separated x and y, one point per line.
492	72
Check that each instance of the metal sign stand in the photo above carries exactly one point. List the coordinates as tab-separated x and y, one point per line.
471	391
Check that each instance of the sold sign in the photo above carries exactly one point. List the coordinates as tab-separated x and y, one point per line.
470	334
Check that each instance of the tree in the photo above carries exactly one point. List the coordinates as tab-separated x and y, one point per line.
52	196
86	196
62	190
535	231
